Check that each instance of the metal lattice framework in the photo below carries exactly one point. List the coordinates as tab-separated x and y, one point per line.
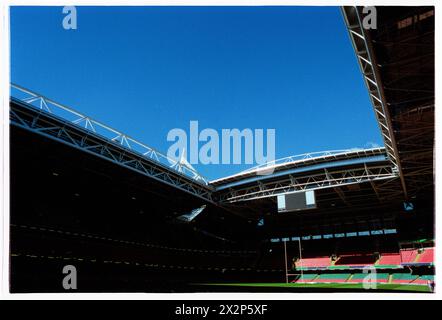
301	160
105	131
43	116
306	157
325	178
360	39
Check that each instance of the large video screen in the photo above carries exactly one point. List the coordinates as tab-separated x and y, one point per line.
296	201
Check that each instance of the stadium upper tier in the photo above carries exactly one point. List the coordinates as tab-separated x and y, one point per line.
302	163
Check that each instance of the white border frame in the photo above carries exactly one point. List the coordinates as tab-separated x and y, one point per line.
4	160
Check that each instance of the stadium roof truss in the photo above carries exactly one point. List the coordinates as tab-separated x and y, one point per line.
315	180
397	62
36	113
404	113
310	171
367	63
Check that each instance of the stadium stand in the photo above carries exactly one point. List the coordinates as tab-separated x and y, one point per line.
427	256
318	262
408	255
333	277
353	260
389	259
424	279
309	277
403	278
386	260
379	278
427	277
399	278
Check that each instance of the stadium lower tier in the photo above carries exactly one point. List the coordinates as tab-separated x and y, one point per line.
38	254
405	257
388	278
38	273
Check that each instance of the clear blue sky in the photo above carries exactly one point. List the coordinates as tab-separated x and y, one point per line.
146	70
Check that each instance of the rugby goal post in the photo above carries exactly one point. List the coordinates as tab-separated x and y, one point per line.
287	274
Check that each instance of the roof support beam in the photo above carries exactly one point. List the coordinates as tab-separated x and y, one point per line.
370	70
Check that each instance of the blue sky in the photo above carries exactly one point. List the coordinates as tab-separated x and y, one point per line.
147	70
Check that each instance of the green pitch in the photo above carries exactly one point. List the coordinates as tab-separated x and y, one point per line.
337	286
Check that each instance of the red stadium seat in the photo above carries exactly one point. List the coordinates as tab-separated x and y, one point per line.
390	259
427	256
408	255
319	262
